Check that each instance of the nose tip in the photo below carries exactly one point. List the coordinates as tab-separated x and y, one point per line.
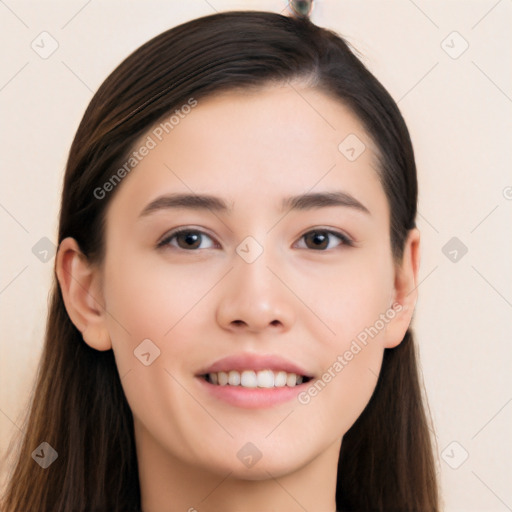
253	299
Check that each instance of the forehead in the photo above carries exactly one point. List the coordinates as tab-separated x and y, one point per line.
249	146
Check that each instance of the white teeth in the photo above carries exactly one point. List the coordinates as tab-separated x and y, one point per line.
223	378
233	378
248	379
280	379
291	379
265	379
252	379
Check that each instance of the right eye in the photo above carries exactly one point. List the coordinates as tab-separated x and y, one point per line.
185	238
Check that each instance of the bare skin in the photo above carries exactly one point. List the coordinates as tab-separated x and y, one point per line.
303	302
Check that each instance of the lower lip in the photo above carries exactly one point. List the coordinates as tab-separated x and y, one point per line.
252	398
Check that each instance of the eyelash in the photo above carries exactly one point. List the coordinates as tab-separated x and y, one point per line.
345	240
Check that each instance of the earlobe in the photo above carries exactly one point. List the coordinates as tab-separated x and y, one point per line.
405	291
80	285
97	338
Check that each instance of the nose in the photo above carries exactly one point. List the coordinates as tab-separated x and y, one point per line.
254	299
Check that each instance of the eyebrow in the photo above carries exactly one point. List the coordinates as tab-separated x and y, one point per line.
213	203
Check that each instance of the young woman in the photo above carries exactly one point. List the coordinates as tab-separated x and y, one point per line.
235	282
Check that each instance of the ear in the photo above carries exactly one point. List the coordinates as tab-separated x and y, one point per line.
404	293
80	285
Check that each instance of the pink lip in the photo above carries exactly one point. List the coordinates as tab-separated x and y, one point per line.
246	361
251	398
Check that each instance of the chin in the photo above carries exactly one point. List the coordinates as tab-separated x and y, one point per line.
252	463
263	470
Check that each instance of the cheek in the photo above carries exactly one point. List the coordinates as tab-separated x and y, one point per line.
351	362
339	396
150	297
160	302
348	296
157	303
354	304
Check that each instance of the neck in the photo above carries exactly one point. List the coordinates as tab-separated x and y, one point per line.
171	485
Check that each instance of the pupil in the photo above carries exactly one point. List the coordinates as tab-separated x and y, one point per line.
191	238
319	239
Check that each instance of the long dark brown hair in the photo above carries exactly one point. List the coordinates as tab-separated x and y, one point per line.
78	406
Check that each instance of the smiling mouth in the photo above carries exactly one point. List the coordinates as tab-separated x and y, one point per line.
255	379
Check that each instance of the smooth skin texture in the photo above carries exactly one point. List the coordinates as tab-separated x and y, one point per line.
304	303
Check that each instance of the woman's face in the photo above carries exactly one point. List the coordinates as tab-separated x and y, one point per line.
260	278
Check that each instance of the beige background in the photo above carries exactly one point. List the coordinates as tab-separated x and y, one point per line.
458	109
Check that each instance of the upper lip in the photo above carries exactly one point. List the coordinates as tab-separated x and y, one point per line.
255	362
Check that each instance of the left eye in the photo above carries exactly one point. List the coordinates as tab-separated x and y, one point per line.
319	239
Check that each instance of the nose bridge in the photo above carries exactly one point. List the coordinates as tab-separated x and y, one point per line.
253	296
252	262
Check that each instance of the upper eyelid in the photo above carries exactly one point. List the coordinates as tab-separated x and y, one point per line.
174	232
346	239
